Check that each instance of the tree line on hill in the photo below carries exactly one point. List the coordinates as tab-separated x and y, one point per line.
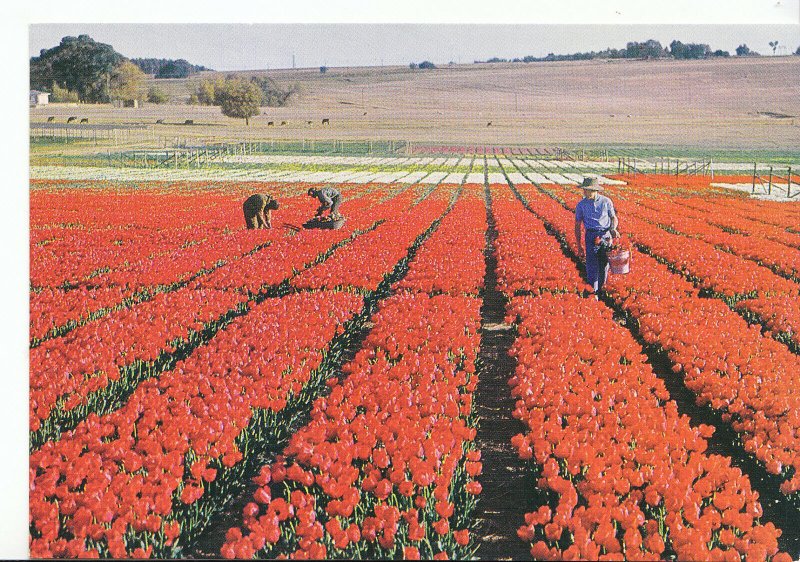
168	68
650	49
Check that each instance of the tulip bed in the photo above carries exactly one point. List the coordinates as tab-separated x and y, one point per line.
95	366
628	476
386	467
731	366
178	358
110	527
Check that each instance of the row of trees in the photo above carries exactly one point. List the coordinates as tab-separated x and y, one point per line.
650	49
168	68
242	98
269	93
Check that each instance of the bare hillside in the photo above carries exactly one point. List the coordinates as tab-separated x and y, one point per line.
720	103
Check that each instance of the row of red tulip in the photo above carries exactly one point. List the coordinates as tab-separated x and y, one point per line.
695	224
65	371
740	372
528	258
129	481
738	220
747	376
611	444
779	313
54	308
452	260
631	476
735	206
363	263
386	466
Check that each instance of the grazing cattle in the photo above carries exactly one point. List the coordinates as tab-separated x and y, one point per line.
270	123
85	120
71	119
489	124
326	121
51	119
308	122
160	122
283	123
189	122
365	113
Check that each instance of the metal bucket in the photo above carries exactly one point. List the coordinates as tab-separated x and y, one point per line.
620	261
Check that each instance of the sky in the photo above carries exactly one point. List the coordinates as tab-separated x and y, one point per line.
229	47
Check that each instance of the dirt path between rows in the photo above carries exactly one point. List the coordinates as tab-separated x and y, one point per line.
507	484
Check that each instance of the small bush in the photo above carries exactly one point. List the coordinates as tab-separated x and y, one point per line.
63	95
157	95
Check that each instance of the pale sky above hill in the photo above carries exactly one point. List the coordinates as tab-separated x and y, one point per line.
364	33
270	46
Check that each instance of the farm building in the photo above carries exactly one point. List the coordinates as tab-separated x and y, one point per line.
39	98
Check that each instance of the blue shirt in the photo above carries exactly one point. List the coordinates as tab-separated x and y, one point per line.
596	214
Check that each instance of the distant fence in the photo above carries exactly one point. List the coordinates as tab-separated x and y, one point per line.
184	155
665	166
775	181
70	132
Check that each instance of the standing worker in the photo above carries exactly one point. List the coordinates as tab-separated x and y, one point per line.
258	210
329	198
597	215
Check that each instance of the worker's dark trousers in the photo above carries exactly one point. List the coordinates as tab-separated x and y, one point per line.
596	261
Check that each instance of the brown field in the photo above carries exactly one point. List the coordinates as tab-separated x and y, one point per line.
724	103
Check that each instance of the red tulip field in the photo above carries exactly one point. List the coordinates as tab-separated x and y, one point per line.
434	380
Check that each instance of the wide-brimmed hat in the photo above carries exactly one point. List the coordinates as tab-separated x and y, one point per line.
592	184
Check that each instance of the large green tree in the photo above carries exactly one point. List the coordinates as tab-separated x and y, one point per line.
240	99
79	64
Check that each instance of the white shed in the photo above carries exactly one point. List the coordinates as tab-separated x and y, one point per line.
39	98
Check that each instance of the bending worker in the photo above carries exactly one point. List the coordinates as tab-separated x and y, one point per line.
329	198
258	210
596	213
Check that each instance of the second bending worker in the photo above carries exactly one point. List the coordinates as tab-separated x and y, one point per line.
329	198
